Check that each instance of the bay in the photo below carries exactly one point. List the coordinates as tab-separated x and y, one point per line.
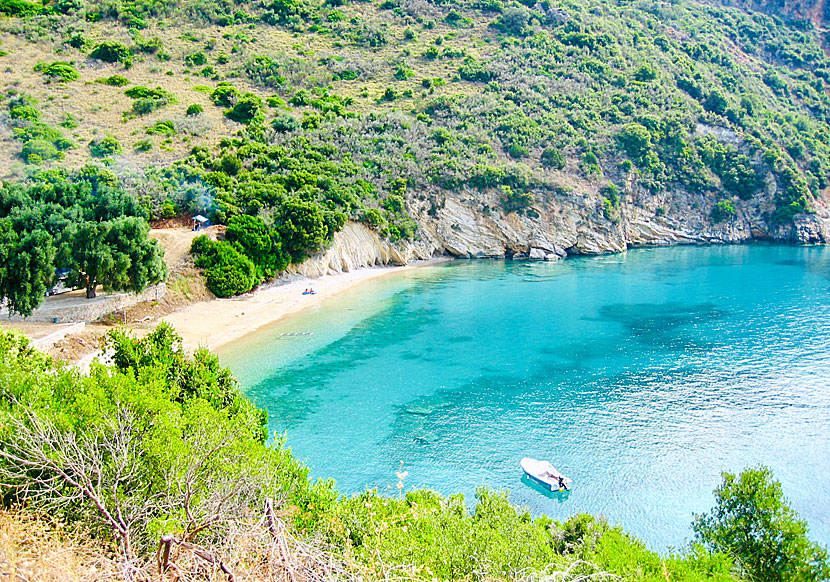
641	376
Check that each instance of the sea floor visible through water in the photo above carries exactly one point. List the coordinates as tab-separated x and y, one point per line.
641	376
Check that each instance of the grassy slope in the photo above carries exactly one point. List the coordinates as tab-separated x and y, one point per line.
100	109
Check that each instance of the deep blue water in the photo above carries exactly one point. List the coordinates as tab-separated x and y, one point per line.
641	376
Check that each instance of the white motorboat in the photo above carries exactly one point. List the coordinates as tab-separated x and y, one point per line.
545	474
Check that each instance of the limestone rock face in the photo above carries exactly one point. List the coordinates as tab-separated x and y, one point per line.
356	246
472	224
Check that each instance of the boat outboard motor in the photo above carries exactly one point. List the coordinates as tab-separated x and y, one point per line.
562	484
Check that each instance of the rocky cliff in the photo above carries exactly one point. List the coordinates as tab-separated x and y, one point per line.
572	224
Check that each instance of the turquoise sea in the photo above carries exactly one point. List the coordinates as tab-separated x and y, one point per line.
641	376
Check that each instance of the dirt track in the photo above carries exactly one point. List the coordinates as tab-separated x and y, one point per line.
176	242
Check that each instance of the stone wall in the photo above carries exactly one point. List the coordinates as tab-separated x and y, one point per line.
74	307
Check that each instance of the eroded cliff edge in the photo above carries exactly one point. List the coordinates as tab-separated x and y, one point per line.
471	225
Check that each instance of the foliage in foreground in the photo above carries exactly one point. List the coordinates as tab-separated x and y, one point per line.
752	521
163	446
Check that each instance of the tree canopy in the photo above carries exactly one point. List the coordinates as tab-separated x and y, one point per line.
753	522
81	222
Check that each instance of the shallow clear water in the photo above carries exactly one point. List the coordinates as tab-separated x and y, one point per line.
640	375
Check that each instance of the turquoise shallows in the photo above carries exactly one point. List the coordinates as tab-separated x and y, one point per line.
640	375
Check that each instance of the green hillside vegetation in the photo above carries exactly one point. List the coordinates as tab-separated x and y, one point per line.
368	111
161	444
469	93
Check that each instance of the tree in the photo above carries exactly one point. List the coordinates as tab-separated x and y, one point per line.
26	267
302	227
114	253
753	522
256	241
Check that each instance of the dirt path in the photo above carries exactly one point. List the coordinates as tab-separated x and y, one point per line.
176	242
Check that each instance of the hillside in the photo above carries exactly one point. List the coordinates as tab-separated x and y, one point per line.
502	128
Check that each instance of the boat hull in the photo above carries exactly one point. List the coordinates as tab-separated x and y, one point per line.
544	474
541	482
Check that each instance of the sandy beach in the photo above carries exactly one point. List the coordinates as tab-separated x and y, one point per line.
215	323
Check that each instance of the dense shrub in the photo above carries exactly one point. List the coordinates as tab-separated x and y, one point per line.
284	122
104	148
148	100
25	113
261	244
553	158
111	52
162	128
227	271
723	210
59	71
196	59
265	71
225	95
472	70
513	201
247	109
113	81
21	8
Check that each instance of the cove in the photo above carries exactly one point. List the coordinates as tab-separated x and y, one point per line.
641	376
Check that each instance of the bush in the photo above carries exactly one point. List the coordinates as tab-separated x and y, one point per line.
142	92
553	158
753	522
227	271
302	227
373	218
518	151
37	151
111	52
402	72
247	109
162	128
225	95
260	244
723	210
635	140
104	148
284	122
25	113
194	109
472	70
513	201
148	100
113	81
21	8
196	59
59	70
265	71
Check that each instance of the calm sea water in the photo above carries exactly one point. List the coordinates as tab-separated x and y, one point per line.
641	376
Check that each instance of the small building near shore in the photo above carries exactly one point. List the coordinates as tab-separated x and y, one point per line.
200	222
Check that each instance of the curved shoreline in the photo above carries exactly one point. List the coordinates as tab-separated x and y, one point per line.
215	323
